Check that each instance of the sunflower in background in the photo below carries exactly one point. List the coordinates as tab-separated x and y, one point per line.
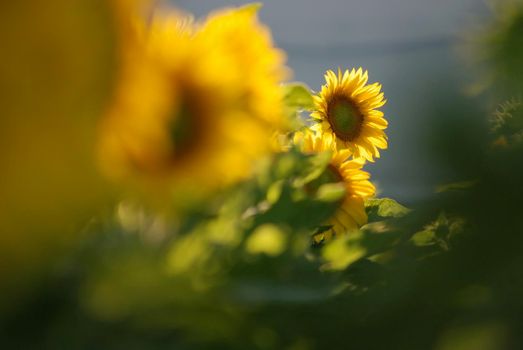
350	214
197	105
347	108
239	40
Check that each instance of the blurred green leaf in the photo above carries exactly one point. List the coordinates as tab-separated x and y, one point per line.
380	208
424	238
456	186
312	168
331	192
267	239
298	96
340	253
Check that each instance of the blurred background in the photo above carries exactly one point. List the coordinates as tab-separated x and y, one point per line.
409	46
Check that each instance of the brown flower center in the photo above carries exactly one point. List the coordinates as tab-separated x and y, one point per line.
182	129
344	118
186	125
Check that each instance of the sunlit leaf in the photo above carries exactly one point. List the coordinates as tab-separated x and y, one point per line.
424	238
379	208
298	96
267	239
340	253
331	192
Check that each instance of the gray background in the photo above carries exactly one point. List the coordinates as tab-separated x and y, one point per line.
407	45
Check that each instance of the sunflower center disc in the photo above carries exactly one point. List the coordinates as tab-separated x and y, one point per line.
183	129
344	119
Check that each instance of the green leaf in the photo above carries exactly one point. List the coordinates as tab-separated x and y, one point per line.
312	168
380	208
298	96
331	192
424	238
274	191
456	186
340	253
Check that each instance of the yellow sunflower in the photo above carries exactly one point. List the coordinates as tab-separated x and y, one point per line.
55	79
350	214
180	118
347	108
237	38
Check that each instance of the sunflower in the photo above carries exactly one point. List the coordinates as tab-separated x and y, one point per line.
180	119
240	40
351	211
347	108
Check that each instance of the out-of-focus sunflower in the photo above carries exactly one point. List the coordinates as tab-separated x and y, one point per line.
56	77
238	39
181	118
350	214
347	108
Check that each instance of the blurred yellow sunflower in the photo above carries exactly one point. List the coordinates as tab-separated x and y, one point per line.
181	119
237	39
347	108
350	214
55	80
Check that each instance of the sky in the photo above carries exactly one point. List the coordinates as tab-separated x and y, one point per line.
407	45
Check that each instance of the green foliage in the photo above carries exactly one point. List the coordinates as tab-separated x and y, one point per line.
297	98
504	46
298	95
379	208
438	233
507	122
